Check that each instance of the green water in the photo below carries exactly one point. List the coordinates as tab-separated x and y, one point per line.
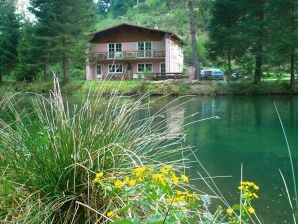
249	133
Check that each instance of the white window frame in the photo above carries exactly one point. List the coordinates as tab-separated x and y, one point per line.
144	56
163	63
115	52
115	68
144	67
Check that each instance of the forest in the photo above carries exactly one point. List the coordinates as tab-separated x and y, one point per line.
257	38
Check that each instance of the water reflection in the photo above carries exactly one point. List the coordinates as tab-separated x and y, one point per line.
174	121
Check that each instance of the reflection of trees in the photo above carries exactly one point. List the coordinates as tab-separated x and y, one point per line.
174	121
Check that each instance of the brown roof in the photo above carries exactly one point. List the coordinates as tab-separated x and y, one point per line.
98	34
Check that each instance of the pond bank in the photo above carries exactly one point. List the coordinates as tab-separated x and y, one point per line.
168	87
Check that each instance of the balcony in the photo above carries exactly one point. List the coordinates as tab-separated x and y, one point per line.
128	55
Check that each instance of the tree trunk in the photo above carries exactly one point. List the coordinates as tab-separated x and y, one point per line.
293	69
193	33
45	72
293	49
258	69
259	45
65	69
229	63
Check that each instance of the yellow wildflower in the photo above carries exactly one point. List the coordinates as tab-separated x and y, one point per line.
110	213
160	177
178	192
181	198
168	167
184	178
241	187
197	197
118	184
132	182
251	210
157	176
255	195
140	171
174	178
98	177
256	187
230	211
164	171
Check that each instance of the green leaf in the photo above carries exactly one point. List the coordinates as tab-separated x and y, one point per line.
236	207
127	221
124	209
156	219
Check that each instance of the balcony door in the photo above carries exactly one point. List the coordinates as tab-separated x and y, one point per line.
115	50
145	49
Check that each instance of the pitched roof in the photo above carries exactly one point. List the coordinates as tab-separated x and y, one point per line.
98	33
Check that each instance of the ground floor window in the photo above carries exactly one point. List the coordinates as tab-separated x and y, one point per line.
98	69
116	68
162	68
144	68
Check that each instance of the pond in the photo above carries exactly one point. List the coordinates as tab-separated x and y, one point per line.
249	133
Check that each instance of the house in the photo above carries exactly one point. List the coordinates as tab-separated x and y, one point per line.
126	51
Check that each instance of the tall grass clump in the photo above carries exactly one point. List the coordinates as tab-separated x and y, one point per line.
50	154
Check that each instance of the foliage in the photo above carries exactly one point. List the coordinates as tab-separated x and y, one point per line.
150	196
50	152
9	36
248	192
62	31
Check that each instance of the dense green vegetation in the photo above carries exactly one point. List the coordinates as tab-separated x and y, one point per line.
250	37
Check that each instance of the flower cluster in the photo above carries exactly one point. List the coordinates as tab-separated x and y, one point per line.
149	186
248	191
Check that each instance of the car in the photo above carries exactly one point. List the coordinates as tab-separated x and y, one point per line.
236	75
212	74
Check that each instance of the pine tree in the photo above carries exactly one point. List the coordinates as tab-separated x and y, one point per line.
63	30
284	34
223	31
9	36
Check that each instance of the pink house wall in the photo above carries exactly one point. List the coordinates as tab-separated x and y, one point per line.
131	46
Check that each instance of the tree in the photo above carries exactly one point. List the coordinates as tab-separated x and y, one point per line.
223	31
194	39
63	29
27	67
284	34
9	36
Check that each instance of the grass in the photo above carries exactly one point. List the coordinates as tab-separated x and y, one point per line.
136	87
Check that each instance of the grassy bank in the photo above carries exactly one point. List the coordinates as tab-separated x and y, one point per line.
136	87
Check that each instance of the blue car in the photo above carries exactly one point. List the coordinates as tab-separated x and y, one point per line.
212	74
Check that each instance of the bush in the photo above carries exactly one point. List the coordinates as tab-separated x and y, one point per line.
50	153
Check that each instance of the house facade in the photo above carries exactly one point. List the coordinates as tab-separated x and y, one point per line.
127	51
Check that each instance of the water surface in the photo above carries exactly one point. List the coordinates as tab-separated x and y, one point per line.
249	133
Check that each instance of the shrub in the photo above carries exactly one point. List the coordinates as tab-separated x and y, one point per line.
50	153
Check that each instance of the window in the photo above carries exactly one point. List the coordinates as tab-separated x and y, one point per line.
115	50
98	69
162	68
144	68
116	68
144	49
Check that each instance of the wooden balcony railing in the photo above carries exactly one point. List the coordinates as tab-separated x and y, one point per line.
129	55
